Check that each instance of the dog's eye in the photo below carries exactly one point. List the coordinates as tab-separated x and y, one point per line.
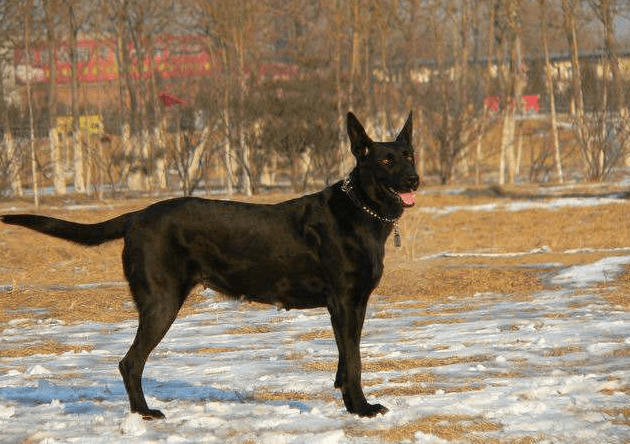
409	157
386	160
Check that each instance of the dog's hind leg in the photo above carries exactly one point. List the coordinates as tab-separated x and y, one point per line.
153	324
159	286
159	292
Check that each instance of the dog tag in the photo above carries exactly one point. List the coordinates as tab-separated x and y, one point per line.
397	242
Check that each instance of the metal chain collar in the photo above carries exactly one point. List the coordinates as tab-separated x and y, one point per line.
347	188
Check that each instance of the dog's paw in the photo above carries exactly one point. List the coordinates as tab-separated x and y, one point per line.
150	415
371	410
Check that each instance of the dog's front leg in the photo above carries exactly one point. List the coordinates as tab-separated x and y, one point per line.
347	324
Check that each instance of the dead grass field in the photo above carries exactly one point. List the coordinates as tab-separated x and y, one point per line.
34	264
446	427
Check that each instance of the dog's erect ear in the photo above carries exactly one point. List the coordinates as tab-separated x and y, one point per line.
359	140
405	133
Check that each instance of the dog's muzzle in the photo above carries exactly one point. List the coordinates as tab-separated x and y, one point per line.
408	198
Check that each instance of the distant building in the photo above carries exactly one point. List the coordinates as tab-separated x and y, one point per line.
175	58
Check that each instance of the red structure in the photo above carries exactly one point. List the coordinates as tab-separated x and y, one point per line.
170	99
96	61
529	104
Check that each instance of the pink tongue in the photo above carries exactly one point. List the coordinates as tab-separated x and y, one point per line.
409	199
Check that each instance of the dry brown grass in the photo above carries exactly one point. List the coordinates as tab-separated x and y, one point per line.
620	416
447	427
505	231
214	350
292	395
618	293
415	378
562	351
623	389
622	352
101	305
316	334
250	329
75	306
434	281
426	389
43	347
388	365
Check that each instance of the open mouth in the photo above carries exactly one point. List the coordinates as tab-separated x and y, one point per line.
408	198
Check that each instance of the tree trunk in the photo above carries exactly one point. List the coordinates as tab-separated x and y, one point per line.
345	158
576	86
487	76
123	72
159	124
507	145
29	98
79	178
550	93
126	149
355	63
195	162
227	145
14	166
608	20
161	166
244	148
58	176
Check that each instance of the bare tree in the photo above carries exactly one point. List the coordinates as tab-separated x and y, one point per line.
599	132
487	75
187	158
607	11
591	161
145	20
550	90
52	13
509	57
115	13
76	16
448	104
10	158
233	27
28	9
609	124
336	40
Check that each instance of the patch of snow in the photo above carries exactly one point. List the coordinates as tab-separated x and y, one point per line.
425	438
543	204
6	411
581	276
37	370
133	425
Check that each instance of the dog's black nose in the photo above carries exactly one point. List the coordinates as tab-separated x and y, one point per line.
413	182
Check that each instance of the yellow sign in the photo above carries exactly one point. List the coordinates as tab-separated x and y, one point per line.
92	124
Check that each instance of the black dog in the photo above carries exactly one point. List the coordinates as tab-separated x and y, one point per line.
321	250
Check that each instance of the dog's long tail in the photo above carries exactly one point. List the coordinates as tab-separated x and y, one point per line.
84	234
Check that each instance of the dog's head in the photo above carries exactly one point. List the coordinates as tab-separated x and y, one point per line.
386	170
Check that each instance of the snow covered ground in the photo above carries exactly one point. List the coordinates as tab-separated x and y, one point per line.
551	367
